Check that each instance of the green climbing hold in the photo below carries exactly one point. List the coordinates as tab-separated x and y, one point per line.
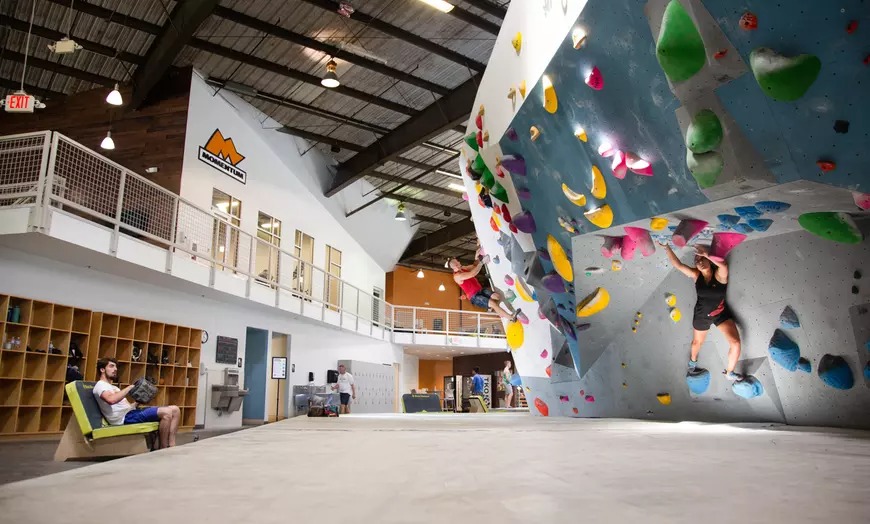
705	167
499	192
832	225
704	133
680	50
781	77
488	180
478	165
471	140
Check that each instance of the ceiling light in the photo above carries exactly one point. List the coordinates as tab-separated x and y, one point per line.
448	173
456	187
420	274
107	142
447	263
400	213
240	89
151	170
442	288
440	5
114	97
330	79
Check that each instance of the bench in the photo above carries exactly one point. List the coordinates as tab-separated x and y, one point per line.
88	435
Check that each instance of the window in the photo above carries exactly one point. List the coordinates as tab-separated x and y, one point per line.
333	277
303	248
226	237
268	242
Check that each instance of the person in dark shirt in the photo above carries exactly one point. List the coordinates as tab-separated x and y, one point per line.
476	383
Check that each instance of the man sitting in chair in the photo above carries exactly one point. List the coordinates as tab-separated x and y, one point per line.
118	411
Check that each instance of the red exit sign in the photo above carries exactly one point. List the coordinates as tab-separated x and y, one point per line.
20	103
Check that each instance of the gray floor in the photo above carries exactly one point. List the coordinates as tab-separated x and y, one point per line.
493	468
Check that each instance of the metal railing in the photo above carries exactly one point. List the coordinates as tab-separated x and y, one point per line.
50	172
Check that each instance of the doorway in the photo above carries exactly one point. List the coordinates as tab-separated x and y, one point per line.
276	397
256	349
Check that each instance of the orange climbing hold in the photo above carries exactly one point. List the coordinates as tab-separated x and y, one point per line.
826	165
542	407
549	371
749	21
534	133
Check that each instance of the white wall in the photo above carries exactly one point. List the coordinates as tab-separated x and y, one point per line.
95	284
410	373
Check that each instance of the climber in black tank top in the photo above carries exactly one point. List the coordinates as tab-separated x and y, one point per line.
711	307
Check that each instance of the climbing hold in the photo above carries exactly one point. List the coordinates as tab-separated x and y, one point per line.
478	165
705	167
789	319
471	141
479	138
553	283
599	188
551	103
664	399
575	410
831	225
496	259
759	224
675	314
513	228
855	290
498	191
524	193
545	353
493	223
582	393
589	398
749	387
770	206
578	37
670	299
512	135
658	223
616	265
619	166
611	246
826	165
567	328
728	219
687	230
595	79
508	280
784	351
638	165
642	238
742	228
517	42
522	318
560	260
601	216
628	247
542	408
624	365
624	385
857	276
582	327
606	150
704	133
566	225
506	213
593	270
720	54
534	133
680	50
804	365
835	372
581	135
523	290
576	198
510	295
749	21
862	200
516	164
512	94
852	26
514	334
841	126
723	243
522	88
784	78
564	398
542	252
698	380
487	179
748	212
594	303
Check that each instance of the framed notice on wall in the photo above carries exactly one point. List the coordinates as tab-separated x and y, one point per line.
227	351
279	367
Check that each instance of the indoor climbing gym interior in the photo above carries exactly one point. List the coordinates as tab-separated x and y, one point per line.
420	261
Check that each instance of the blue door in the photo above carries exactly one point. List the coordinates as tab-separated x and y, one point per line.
256	349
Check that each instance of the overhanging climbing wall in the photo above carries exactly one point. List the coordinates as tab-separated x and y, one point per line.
741	126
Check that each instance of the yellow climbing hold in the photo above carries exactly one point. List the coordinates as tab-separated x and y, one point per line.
658	223
517	42
664	399
523	290
534	133
551	103
599	188
515	335
559	259
601	217
576	198
578	37
512	94
639	314
634	330
615	265
670	299
496	219
581	135
477	187
522	88
596	302
675	314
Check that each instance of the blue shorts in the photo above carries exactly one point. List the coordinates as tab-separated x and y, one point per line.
138	416
481	298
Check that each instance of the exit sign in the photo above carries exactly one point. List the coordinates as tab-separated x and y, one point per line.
20	103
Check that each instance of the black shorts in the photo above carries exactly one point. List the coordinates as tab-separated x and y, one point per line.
481	298
702	322
345	398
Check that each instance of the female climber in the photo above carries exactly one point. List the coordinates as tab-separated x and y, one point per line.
711	282
466	278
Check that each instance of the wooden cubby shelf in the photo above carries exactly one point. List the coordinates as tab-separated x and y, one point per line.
35	341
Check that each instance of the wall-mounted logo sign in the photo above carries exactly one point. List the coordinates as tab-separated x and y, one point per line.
220	153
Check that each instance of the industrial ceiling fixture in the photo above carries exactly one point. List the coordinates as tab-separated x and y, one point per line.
114	98
66	45
400	213
448	174
420	274
456	187
441	5
107	142
330	79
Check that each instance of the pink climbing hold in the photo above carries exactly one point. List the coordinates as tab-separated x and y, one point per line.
523	318
862	200
542	316
687	230
564	398
723	243
629	245
611	246
508	280
619	167
606	150
638	165
642	238
465	196
545	353
590	398
595	79
582	393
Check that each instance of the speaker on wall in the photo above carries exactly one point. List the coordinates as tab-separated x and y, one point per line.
331	376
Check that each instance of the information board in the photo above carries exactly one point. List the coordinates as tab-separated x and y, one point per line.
227	350
279	367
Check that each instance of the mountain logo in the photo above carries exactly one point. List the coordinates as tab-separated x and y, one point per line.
221	154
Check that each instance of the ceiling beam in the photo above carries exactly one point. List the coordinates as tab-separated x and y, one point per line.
56	67
401	34
441	115
314	137
421	245
472	19
334	51
425	203
177	31
15	85
489	8
413	183
111	16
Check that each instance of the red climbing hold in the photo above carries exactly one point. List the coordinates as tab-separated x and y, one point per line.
542	407
480	138
852	27
720	54
505	212
867	60
549	370
497	210
749	21
595	79
513	228
499	172
478	121
826	165
493	224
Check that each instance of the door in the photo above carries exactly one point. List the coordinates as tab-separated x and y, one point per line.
256	350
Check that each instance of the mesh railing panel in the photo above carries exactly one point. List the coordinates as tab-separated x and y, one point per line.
88	180
20	165
195	229
147	207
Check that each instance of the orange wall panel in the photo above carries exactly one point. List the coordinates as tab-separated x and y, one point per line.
432	373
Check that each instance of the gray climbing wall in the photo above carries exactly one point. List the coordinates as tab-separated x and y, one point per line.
375	386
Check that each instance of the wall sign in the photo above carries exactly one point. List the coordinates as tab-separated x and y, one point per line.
227	350
221	154
279	367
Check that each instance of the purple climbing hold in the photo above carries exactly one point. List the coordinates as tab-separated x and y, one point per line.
543	253
553	283
742	228
524	193
748	212
759	224
516	164
512	135
771	206
835	372
784	351
525	222
729	220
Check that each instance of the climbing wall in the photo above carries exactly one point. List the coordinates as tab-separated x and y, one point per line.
683	122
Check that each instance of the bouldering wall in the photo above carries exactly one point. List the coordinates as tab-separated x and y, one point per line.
687	122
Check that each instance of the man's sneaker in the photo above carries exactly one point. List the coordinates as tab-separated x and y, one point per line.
692	365
732	376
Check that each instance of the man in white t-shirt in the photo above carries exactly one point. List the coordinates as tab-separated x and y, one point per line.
118	411
346	388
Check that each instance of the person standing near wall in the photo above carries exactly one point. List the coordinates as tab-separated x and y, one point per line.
508	387
476	383
346	389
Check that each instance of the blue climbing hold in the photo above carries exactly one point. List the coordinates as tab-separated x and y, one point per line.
804	365
516	380
835	372
789	319
784	351
728	219
748	212
496	259
698	380
749	387
771	206
672	228
867	371
759	224
742	227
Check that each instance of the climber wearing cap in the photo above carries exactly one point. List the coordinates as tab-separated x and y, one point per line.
466	278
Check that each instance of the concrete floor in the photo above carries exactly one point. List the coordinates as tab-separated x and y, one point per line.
494	468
